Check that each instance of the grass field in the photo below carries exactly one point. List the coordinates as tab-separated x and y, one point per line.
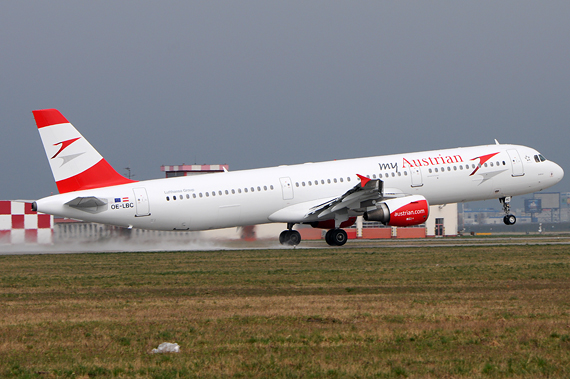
439	312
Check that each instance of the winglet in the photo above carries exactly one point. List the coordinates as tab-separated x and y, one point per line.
363	180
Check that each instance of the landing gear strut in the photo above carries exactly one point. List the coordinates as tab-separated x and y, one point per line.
290	237
509	218
336	237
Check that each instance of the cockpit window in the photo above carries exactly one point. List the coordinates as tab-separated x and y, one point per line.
539	158
536	158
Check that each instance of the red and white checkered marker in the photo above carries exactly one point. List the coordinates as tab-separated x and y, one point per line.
19	224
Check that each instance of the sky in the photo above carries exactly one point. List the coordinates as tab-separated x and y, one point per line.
263	83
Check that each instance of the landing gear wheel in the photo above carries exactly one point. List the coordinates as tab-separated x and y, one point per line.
336	237
290	237
294	238
284	236
509	219
328	237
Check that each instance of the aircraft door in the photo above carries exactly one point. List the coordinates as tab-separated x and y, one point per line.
287	188
516	163
416	174
141	202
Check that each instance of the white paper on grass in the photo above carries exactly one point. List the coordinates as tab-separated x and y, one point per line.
167	347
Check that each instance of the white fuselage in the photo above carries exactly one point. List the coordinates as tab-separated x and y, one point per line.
256	196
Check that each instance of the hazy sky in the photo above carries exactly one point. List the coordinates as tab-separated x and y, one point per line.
262	83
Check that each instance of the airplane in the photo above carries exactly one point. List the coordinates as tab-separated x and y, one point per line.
394	190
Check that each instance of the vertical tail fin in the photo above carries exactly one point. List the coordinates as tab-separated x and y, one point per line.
75	164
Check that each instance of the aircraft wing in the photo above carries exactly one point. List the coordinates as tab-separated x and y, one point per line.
356	199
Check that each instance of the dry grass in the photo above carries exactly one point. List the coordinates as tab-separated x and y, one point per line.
351	312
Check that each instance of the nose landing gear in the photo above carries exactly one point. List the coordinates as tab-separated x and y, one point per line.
509	218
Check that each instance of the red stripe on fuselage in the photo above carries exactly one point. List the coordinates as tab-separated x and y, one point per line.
47	117
99	175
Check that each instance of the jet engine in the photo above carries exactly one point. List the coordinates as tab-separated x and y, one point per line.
401	211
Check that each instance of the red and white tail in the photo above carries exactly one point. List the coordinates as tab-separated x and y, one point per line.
75	164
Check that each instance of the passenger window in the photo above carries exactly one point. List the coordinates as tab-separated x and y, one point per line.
271	187
194	195
303	184
348	178
239	190
380	176
436	170
245	190
174	197
187	196
429	170
252	189
258	189
265	188
448	168
316	182
334	180
405	173
200	194
207	194
310	183
167	198
233	191
328	181
393	175
485	164
297	184
322	181
227	192
213	193
341	180
399	173
454	168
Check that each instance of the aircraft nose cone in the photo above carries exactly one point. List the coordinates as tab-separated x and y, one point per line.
557	173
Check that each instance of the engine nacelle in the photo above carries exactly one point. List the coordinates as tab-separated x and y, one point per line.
402	211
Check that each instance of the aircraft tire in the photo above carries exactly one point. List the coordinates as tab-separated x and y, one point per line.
294	238
336	237
510	219
328	238
283	237
290	237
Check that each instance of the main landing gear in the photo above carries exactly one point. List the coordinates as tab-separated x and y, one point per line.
290	237
336	237
509	218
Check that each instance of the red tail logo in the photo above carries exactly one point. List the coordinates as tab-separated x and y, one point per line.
64	144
